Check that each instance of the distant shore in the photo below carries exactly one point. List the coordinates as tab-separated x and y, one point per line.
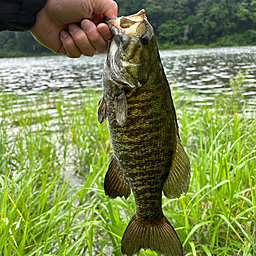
13	54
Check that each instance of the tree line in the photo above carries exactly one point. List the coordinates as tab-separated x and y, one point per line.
16	44
201	22
177	23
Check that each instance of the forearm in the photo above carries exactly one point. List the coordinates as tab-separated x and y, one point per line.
19	15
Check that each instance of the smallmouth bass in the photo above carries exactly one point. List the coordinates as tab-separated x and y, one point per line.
148	157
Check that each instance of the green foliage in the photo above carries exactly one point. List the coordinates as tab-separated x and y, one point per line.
54	155
170	32
183	22
233	99
16	44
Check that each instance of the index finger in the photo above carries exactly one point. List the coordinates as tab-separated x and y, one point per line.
107	8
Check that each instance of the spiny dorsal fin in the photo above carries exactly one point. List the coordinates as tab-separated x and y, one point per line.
121	109
102	110
178	179
159	237
114	184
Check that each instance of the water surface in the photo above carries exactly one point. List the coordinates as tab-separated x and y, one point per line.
204	71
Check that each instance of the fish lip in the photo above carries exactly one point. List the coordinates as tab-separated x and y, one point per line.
117	34
113	29
106	19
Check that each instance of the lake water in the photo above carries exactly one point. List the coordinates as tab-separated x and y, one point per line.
204	71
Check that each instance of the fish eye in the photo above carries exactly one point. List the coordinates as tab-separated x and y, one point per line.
144	39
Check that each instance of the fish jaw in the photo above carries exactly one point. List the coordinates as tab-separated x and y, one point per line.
130	55
127	25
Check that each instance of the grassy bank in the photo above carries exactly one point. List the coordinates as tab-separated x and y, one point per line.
54	156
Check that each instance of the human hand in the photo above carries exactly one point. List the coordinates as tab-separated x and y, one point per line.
74	27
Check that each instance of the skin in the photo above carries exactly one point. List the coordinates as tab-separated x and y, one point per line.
74	27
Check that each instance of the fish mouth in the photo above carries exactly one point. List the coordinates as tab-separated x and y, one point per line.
124	31
114	54
125	26
113	29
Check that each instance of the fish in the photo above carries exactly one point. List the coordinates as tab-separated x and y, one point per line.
148	157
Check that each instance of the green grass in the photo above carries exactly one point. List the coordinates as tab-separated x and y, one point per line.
54	155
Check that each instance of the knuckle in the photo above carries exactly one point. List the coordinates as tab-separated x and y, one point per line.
102	49
61	51
94	37
76	55
89	53
79	37
73	54
68	42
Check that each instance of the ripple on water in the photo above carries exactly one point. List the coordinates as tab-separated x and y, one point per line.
204	71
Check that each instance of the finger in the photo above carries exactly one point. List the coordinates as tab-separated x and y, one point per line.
81	40
69	45
95	38
97	19
104	31
106	8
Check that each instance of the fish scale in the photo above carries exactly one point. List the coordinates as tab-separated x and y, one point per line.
148	158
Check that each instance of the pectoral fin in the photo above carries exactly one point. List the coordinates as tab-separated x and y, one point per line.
102	110
121	109
178	179
115	184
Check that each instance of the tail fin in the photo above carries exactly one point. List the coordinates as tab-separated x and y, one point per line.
159	237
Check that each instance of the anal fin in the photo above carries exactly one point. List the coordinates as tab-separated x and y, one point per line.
115	184
102	110
178	179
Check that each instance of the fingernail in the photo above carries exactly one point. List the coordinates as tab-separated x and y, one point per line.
87	26
73	28
63	34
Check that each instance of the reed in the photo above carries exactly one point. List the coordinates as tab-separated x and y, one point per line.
54	155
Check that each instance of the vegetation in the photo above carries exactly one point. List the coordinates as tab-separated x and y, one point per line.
54	156
18	44
177	24
200	22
